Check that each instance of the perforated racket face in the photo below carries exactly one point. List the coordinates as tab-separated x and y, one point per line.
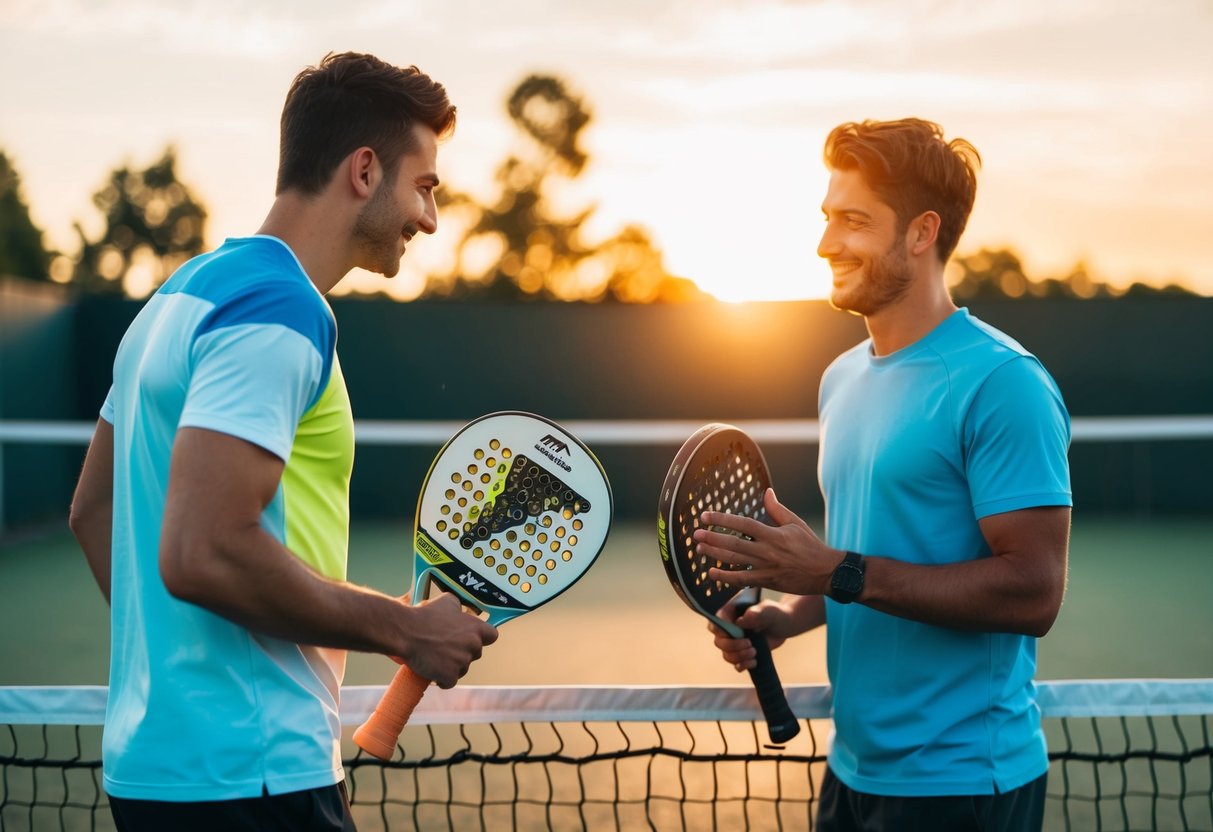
721	469
514	510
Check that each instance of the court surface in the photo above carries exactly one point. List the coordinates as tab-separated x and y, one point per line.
1137	607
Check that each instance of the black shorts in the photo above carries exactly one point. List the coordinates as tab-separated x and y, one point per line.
326	809
842	809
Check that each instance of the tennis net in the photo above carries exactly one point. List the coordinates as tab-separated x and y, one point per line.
1125	755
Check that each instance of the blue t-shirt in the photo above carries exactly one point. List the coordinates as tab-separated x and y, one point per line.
916	447
237	341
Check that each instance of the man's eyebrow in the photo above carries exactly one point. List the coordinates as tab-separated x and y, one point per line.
847	212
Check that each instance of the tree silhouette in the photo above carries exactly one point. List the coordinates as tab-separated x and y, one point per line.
989	273
999	274
517	248
21	251
153	224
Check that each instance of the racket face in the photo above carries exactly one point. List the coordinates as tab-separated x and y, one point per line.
719	468
513	511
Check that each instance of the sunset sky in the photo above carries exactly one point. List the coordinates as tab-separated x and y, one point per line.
1094	117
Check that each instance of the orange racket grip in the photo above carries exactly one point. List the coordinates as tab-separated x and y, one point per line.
378	735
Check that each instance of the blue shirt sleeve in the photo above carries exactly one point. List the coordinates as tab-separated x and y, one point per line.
254	383
259	361
107	406
1016	438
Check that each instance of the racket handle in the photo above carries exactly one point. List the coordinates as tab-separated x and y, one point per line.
782	724
378	735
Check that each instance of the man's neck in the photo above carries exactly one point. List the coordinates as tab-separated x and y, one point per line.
911	317
313	233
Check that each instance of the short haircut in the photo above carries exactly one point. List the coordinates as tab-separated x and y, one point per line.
912	169
351	100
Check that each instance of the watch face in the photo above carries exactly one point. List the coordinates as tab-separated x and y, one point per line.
847	581
848	578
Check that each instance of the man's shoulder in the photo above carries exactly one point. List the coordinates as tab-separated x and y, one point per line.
850	359
974	349
988	365
258	281
980	332
241	267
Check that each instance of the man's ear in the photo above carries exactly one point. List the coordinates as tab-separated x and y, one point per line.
365	171
922	232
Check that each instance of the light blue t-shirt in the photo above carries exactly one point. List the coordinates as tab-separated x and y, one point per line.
237	341
916	447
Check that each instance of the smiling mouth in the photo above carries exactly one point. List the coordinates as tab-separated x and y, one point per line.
844	267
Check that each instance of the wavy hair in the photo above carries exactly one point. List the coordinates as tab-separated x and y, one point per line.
912	169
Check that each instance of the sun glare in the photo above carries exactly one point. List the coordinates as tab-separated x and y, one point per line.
735	210
769	281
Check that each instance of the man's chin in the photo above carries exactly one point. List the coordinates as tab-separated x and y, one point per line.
851	304
389	269
843	301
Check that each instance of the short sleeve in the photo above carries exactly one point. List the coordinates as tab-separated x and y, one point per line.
258	362
1017	436
252	382
107	406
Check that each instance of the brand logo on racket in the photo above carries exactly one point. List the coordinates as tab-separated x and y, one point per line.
550	443
555	444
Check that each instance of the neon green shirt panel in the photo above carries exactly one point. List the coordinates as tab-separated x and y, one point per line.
316	481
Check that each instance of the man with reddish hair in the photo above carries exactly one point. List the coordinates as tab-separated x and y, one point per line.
213	507
943	467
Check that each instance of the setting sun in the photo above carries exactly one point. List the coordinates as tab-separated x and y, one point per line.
706	121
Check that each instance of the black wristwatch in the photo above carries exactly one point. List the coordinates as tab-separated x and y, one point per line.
847	581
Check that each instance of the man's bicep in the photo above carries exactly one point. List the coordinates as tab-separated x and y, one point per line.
219	486
218	481
96	484
1036	541
1042	529
91	516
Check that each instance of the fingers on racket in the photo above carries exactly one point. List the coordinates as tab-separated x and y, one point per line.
380	733
720	469
782	724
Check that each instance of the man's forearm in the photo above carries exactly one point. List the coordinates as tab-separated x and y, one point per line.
985	595
254	581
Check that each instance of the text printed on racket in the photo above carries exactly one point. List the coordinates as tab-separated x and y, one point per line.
470	580
480	586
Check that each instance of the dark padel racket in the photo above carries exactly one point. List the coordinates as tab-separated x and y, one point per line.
722	469
513	511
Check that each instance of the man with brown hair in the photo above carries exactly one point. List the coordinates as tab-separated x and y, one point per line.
213	507
946	484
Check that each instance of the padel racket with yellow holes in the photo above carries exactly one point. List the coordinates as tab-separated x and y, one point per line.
513	511
722	469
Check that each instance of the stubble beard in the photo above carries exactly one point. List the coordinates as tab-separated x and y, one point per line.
887	280
377	231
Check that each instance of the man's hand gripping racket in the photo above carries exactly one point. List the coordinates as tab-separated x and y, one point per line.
721	469
513	511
